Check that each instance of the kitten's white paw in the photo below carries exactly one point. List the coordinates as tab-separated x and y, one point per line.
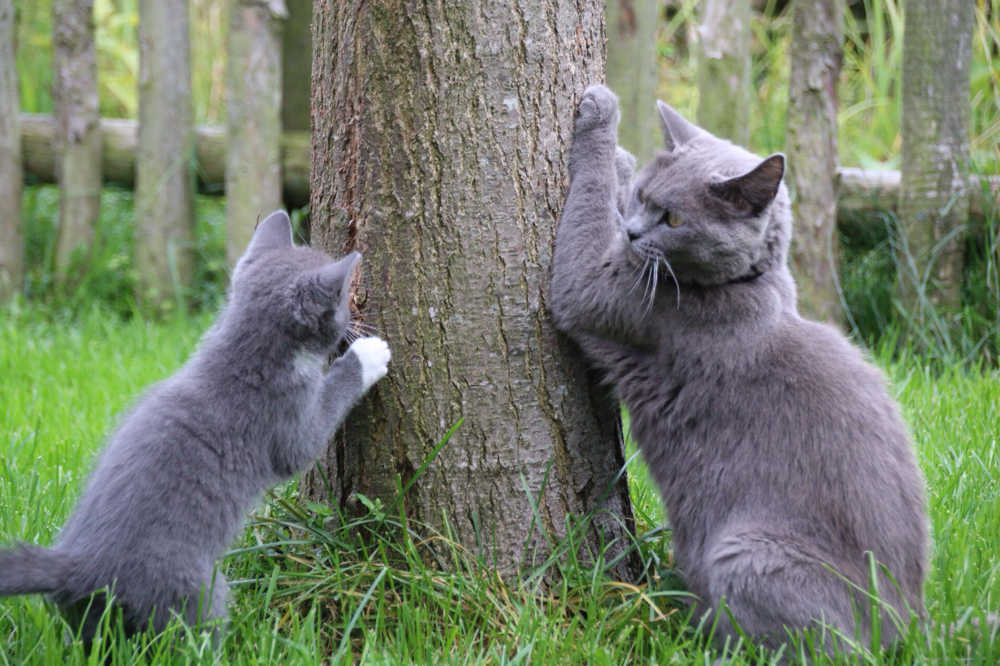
374	356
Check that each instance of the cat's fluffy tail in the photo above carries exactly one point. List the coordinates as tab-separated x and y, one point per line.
27	569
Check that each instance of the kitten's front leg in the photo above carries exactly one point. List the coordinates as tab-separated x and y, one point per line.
344	384
349	378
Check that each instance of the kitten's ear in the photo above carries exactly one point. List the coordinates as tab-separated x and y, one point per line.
325	289
273	233
676	129
755	190
333	277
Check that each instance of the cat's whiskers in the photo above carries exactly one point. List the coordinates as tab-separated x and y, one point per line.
677	284
642	272
650	282
652	293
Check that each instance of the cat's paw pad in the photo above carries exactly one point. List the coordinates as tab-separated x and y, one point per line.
599	106
374	355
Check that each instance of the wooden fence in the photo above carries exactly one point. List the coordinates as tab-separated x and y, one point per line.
258	165
860	190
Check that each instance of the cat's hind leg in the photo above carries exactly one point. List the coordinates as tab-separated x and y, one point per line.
772	587
209	607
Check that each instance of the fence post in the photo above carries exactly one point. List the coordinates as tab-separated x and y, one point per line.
164	194
296	66
631	72
724	69
78	133
817	53
11	175
253	118
933	195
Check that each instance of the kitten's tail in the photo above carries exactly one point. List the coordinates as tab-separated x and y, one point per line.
27	569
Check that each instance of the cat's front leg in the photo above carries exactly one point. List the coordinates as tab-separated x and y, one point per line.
593	270
595	139
349	378
343	386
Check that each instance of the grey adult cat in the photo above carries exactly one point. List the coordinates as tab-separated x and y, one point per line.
778	452
254	406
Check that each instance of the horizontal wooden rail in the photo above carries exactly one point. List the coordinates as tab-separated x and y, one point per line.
120	140
860	189
869	190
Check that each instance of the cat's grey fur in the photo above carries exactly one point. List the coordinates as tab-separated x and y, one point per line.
254	406
778	451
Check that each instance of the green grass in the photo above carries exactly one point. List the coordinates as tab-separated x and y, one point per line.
305	593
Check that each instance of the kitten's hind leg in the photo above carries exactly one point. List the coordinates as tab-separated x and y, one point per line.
773	587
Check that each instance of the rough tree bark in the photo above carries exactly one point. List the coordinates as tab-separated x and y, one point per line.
11	176
817	53
724	69
164	211
78	134
296	66
631	72
253	118
936	109
440	136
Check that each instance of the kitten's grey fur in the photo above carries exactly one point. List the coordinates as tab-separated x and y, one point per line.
777	449
251	408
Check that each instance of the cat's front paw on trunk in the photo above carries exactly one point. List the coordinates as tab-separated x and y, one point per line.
374	355
598	109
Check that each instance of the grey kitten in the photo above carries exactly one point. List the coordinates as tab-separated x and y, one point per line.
254	406
780	456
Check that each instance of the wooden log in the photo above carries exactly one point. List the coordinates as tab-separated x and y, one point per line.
120	137
861	190
873	190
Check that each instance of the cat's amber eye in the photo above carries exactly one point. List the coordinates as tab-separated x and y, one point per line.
671	219
641	195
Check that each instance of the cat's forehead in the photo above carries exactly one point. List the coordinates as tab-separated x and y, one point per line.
695	165
286	263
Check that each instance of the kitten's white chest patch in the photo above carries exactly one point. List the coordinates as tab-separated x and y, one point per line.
309	365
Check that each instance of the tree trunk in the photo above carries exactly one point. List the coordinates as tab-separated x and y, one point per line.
78	133
440	138
11	177
817	53
164	211
632	72
936	109
253	112
296	65
724	69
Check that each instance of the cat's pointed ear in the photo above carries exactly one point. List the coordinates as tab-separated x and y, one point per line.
273	233
755	190
322	290
676	129
332	278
